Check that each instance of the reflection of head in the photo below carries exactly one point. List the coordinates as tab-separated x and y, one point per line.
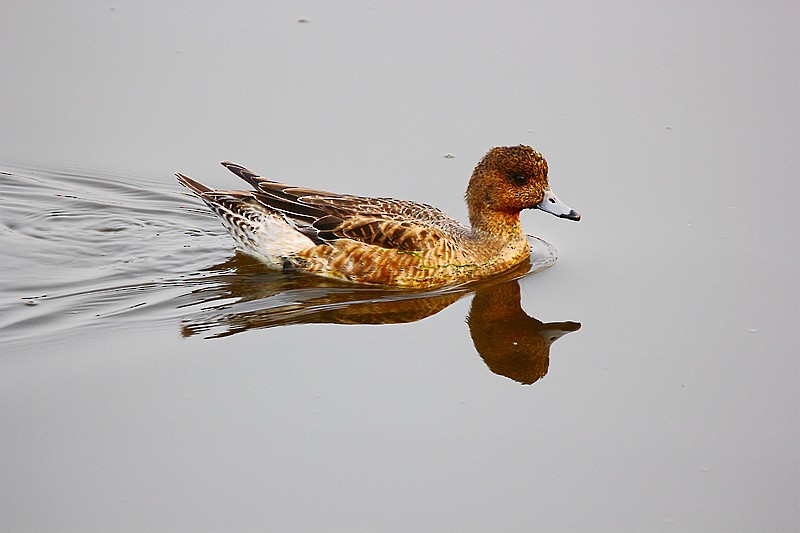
510	342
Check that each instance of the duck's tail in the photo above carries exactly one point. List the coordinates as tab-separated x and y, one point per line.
256	228
195	186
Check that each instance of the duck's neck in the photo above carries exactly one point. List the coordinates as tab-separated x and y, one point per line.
497	223
485	216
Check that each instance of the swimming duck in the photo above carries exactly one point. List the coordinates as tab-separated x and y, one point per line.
383	241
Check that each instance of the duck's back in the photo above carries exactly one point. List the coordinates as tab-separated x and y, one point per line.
356	238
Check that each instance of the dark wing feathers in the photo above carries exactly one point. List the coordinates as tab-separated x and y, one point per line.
324	216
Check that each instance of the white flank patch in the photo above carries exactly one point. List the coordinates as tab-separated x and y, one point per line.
267	237
275	239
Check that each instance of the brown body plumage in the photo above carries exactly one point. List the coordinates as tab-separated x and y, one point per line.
383	241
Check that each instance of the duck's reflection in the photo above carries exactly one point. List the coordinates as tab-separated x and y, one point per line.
512	343
239	295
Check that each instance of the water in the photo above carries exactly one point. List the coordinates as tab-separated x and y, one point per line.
151	378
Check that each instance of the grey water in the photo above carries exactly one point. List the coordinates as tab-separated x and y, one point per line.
153	378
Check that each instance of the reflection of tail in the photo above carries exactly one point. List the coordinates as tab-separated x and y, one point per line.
314	306
512	343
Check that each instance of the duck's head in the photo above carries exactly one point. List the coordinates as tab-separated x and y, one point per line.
507	180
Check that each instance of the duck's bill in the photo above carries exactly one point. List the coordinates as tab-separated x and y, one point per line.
551	204
553	331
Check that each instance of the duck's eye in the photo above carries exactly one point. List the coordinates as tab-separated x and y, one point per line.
519	179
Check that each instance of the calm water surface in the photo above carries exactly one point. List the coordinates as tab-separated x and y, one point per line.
151	378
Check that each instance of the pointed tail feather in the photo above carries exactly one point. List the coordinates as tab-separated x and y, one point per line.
246	174
196	187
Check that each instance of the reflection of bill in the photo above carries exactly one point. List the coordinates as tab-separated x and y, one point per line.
240	296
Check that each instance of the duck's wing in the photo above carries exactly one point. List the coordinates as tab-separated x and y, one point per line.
325	217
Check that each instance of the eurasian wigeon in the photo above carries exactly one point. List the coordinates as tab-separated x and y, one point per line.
382	241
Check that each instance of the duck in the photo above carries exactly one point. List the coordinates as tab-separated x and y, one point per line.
384	241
